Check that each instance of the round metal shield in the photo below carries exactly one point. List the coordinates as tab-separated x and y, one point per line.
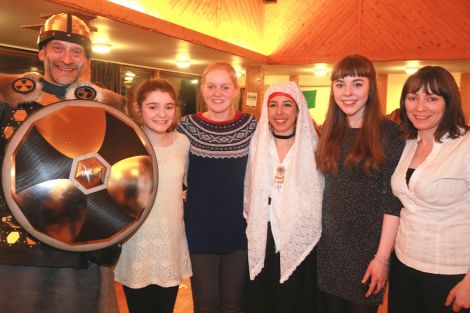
79	175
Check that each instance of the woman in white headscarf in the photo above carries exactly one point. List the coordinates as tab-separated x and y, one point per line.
283	197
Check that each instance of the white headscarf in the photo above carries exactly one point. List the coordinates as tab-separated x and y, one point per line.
301	201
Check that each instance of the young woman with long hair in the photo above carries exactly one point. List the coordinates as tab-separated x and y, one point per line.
358	152
215	226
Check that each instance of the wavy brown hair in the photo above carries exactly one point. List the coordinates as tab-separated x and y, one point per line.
435	80
367	150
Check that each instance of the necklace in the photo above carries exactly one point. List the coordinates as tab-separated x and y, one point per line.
283	136
279	178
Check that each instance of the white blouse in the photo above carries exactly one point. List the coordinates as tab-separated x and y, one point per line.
275	208
434	232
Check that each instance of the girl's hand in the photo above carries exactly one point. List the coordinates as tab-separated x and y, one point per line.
377	273
459	296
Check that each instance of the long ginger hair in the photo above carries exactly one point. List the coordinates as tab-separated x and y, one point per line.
367	150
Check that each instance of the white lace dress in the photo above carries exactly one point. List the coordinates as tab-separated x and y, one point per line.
158	252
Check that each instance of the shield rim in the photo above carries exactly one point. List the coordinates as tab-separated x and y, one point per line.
16	140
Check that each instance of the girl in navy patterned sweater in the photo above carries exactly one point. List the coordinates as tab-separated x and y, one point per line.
215	226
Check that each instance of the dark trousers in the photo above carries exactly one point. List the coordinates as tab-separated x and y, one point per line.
218	282
26	289
332	304
151	299
413	291
296	295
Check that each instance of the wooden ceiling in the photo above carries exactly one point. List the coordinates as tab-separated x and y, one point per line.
302	32
382	30
287	38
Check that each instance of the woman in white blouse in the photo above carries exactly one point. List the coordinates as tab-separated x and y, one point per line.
283	196
431	270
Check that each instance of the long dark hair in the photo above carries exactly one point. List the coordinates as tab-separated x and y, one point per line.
435	80
367	148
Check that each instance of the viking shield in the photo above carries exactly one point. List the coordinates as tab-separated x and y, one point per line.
79	175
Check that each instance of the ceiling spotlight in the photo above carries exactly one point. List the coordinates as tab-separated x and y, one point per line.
183	62
320	72
320	69
412	66
99	47
411	70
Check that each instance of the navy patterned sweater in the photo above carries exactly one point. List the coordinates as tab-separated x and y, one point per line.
217	162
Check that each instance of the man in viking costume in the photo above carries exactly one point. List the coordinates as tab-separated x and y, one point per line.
35	277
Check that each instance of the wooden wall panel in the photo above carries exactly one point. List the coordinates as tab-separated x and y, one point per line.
382	80
465	94
254	84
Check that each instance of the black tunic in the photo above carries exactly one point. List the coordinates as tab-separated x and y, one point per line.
353	208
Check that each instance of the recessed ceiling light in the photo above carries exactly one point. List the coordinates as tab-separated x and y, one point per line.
411	70
99	47
320	69
183	62
320	72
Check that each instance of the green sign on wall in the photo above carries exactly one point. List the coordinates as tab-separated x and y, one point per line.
310	96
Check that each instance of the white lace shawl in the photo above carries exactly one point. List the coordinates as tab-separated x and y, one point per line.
302	191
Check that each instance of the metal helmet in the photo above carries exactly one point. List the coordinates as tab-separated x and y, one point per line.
65	27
